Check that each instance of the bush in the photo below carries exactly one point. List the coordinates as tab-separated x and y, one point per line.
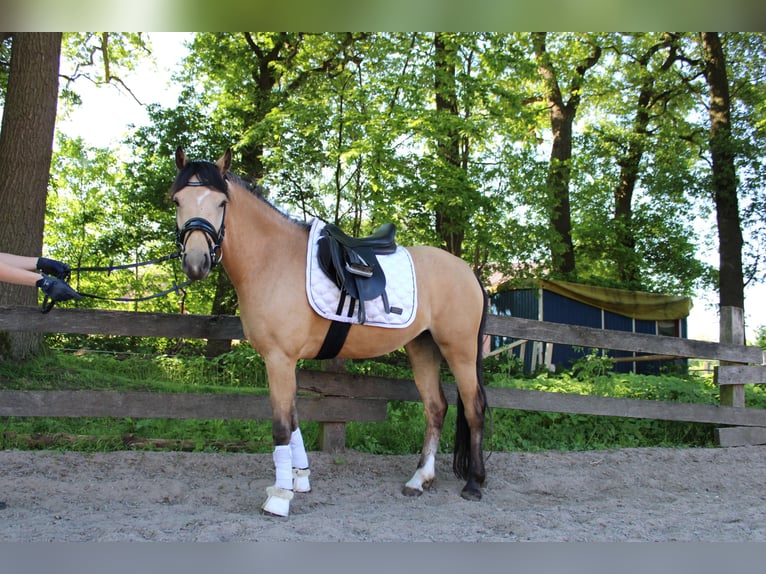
242	370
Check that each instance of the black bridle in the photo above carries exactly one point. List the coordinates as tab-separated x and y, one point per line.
213	236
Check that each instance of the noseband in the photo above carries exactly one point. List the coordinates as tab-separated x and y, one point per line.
213	237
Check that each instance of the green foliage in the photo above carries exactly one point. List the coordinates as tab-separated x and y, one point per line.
242	371
100	58
517	430
594	364
760	337
344	126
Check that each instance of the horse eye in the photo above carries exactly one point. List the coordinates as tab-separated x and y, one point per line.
175	200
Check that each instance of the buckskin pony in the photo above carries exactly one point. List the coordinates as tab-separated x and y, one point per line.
269	258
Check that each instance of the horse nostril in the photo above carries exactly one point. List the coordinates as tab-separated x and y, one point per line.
196	265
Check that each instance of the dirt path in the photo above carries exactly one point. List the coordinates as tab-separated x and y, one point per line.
624	495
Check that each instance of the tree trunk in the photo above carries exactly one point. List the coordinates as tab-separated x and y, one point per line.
26	147
557	184
450	221
561	115
225	299
724	181
224	303
630	164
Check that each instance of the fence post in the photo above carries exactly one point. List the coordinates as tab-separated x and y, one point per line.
332	435
732	331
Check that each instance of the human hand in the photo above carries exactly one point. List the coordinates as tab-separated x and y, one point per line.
56	289
53	267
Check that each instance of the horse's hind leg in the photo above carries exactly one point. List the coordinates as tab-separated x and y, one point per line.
425	359
468	460
460	344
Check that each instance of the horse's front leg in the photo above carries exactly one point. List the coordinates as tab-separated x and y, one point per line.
290	459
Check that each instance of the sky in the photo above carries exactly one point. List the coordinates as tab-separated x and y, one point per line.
107	113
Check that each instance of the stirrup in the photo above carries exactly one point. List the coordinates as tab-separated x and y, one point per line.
361	270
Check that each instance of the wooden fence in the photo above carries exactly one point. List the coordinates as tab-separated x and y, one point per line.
334	398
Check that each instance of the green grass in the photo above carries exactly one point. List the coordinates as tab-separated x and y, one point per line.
242	371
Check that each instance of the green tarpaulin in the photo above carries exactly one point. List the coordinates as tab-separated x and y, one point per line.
635	304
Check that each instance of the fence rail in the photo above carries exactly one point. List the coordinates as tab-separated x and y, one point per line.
335	398
533	330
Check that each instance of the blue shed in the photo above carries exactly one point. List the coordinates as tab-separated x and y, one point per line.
589	306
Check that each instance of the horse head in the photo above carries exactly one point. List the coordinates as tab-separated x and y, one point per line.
200	193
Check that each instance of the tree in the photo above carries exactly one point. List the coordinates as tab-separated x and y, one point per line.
724	177
99	58
451	136
247	78
746	69
760	337
562	109
649	100
26	146
635	176
451	147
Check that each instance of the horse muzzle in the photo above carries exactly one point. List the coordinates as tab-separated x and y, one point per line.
196	264
198	258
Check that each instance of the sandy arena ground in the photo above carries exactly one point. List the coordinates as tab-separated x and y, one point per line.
622	495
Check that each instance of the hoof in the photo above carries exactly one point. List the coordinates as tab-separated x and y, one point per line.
277	501
301	480
409	491
471	492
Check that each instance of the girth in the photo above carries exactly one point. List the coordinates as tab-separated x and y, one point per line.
352	263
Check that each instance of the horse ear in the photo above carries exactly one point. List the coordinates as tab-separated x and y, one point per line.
180	157
224	162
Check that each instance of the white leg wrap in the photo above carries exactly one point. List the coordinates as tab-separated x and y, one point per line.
300	462
284	467
278	497
301	480
298	450
277	501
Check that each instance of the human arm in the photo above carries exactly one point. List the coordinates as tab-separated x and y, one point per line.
18	269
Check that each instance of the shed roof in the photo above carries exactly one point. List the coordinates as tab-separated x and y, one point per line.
635	304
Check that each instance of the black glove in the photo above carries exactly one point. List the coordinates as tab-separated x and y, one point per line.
56	290
53	267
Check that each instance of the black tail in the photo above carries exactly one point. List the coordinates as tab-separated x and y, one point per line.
461	459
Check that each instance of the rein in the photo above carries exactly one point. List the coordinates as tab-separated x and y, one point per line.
109	268
214	239
177	288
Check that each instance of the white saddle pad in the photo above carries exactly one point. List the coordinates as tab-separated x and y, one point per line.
325	297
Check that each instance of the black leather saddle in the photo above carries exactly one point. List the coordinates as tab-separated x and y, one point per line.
352	262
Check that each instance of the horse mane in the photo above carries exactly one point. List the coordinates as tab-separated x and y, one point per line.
209	173
259	192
